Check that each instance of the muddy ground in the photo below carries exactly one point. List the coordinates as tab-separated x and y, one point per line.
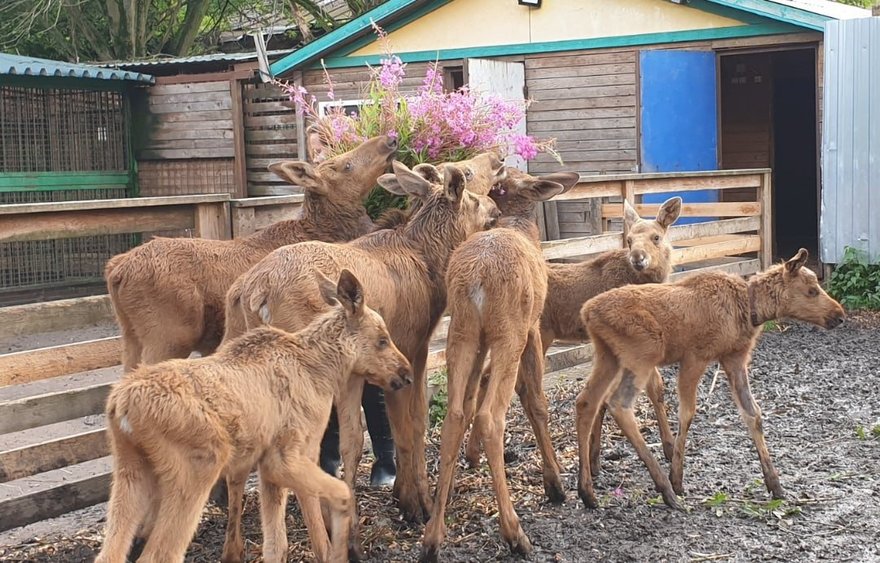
820	394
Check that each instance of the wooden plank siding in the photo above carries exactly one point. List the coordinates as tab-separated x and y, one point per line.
588	101
270	135
186	121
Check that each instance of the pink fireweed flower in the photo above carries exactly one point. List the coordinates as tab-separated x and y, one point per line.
392	72
524	146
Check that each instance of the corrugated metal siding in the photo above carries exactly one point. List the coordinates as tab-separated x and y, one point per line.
32	66
850	214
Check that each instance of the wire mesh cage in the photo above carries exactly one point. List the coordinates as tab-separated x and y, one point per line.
52	130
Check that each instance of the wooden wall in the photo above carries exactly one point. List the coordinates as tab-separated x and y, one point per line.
270	136
185	141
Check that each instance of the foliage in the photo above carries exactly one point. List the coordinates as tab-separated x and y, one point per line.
440	399
103	30
855	282
431	125
863	433
859	3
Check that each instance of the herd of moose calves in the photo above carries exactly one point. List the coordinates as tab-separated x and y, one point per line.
292	320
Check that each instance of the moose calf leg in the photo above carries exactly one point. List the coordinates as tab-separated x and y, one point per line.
184	493
491	419
596	442
464	364
473	448
656	391
590	402
129	503
233	546
689	376
620	407
531	394
351	441
273	502
738	377
408	413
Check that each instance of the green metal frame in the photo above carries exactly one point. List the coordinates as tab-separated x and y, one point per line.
57	181
778	12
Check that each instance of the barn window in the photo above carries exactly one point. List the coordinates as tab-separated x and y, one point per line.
453	78
348	106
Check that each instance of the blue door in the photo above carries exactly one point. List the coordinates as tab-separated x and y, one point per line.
679	118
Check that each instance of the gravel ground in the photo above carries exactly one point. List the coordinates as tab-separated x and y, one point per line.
821	401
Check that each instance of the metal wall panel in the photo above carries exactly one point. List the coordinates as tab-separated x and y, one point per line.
850	212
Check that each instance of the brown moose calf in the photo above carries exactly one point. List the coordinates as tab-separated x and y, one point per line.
701	318
263	399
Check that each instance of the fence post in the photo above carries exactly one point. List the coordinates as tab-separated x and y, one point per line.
629	194
766	232
212	220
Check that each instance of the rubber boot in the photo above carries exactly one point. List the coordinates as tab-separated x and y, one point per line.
384	469
330	459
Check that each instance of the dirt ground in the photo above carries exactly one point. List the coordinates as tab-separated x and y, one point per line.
821	401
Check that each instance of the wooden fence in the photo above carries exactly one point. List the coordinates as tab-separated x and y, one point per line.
53	452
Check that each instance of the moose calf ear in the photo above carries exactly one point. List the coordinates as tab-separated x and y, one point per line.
453	182
567	179
797	262
630	217
298	173
669	212
327	288
429	172
540	189
350	293
406	182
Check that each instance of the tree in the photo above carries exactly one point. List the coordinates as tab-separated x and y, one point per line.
104	30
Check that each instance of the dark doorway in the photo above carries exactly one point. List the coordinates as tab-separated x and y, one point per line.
768	119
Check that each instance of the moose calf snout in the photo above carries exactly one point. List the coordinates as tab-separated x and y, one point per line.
639	260
835	321
404	378
392	143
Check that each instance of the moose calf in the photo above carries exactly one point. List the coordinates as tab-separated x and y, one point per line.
698	319
263	399
496	283
647	258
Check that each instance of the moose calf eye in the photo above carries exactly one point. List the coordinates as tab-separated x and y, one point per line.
656	238
347	166
629	242
383	343
813	292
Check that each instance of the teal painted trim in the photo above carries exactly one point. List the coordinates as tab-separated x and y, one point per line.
773	28
394	26
779	12
63	83
341	36
57	181
712	8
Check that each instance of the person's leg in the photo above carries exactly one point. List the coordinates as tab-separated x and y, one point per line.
384	469
330	460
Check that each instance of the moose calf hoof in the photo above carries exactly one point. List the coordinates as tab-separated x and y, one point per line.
588	498
554	491
429	554
237	558
778	493
137	548
672	501
677	486
355	553
521	544
414	511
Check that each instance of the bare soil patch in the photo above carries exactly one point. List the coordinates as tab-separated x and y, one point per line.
821	401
